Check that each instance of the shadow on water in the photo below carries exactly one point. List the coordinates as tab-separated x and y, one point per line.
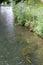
18	46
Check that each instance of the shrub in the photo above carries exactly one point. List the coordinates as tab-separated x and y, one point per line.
30	16
22	12
38	22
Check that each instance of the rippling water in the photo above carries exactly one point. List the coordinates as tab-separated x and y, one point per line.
14	38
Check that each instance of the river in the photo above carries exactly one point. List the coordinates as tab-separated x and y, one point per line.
17	41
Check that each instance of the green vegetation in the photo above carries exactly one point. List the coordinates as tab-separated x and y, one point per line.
30	16
38	22
5	1
21	12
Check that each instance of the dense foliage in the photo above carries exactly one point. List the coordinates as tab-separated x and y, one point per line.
30	16
17	1
38	23
8	1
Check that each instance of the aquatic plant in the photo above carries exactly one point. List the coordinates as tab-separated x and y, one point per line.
29	53
33	54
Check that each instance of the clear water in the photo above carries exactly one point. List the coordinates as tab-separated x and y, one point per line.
13	39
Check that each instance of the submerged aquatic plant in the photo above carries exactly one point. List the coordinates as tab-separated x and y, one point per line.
29	53
33	54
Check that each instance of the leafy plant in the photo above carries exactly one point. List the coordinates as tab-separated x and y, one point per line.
22	12
30	16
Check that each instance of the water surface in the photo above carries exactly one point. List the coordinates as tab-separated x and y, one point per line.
14	39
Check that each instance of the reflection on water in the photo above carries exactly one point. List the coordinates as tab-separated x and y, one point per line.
17	44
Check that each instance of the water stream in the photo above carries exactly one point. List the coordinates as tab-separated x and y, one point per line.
13	39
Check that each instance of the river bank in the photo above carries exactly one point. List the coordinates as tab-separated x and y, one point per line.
30	16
